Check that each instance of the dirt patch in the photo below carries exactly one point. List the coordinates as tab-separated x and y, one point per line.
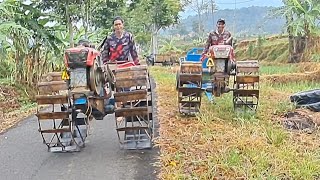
10	108
12	118
8	99
293	77
308	67
302	120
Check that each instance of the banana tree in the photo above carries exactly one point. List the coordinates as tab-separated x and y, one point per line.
301	17
14	39
168	45
24	26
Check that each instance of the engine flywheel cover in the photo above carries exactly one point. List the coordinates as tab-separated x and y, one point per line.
96	79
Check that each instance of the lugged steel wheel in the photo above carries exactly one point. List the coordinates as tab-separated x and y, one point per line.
133	107
59	128
246	85
189	84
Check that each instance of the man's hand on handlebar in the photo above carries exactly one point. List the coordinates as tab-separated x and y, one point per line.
136	62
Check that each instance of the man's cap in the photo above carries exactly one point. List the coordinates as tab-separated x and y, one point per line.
117	18
221	20
84	42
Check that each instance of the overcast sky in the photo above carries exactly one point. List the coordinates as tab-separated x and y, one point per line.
232	4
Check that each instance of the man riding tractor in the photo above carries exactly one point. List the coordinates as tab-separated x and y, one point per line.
120	46
119	49
217	37
218	41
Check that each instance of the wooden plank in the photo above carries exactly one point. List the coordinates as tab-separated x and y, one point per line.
185	91
130	74
132	128
245	79
190	77
247	69
128	112
132	68
190	90
221	75
130	95
55	130
191	68
52	86
247	66
52	76
128	83
131	78
51	99
246	92
52	115
190	104
143	118
248	63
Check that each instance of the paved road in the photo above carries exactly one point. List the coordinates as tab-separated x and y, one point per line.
23	156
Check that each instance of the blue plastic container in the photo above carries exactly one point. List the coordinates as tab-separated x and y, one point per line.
80	101
194	55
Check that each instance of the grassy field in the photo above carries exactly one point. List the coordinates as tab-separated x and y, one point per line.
275	50
278	69
220	143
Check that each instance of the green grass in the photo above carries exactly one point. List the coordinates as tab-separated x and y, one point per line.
279	69
264	50
6	81
158	72
293	87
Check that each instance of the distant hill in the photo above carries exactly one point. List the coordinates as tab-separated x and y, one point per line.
230	4
248	21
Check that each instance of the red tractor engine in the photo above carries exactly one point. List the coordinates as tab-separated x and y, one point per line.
84	68
221	64
223	58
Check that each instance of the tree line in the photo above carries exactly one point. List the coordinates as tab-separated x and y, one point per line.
34	34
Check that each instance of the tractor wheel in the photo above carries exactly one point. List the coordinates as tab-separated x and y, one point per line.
134	108
246	86
189	84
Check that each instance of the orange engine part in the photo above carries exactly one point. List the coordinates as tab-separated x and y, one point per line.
90	54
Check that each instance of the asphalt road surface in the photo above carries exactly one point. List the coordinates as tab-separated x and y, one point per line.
24	156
